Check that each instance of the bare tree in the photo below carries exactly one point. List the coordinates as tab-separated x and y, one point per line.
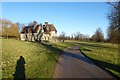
62	36
98	36
114	23
79	36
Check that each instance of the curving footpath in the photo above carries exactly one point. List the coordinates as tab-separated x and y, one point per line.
73	64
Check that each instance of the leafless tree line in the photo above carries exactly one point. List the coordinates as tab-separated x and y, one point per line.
98	36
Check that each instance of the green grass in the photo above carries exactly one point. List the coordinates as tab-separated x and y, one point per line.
0	58
40	59
104	54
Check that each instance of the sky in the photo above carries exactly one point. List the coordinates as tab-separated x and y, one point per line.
59	0
70	17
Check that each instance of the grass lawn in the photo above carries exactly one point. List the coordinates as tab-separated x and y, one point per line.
39	58
0	58
104	54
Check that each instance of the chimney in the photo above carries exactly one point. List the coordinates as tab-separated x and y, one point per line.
46	23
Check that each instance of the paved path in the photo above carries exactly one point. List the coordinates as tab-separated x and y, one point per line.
73	64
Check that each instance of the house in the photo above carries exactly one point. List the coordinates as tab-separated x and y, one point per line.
46	32
50	32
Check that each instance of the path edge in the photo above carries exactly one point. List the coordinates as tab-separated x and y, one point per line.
58	60
116	77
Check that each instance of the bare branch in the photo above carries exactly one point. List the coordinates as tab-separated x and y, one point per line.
116	7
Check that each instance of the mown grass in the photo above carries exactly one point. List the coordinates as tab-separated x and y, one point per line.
40	58
0	58
104	54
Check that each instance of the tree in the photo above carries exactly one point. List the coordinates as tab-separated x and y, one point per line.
62	36
79	36
9	29
86	37
0	27
5	32
14	30
98	36
114	23
72	36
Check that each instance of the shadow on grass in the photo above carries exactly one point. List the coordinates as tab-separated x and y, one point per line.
105	65
85	49
20	69
54	50
69	54
91	45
